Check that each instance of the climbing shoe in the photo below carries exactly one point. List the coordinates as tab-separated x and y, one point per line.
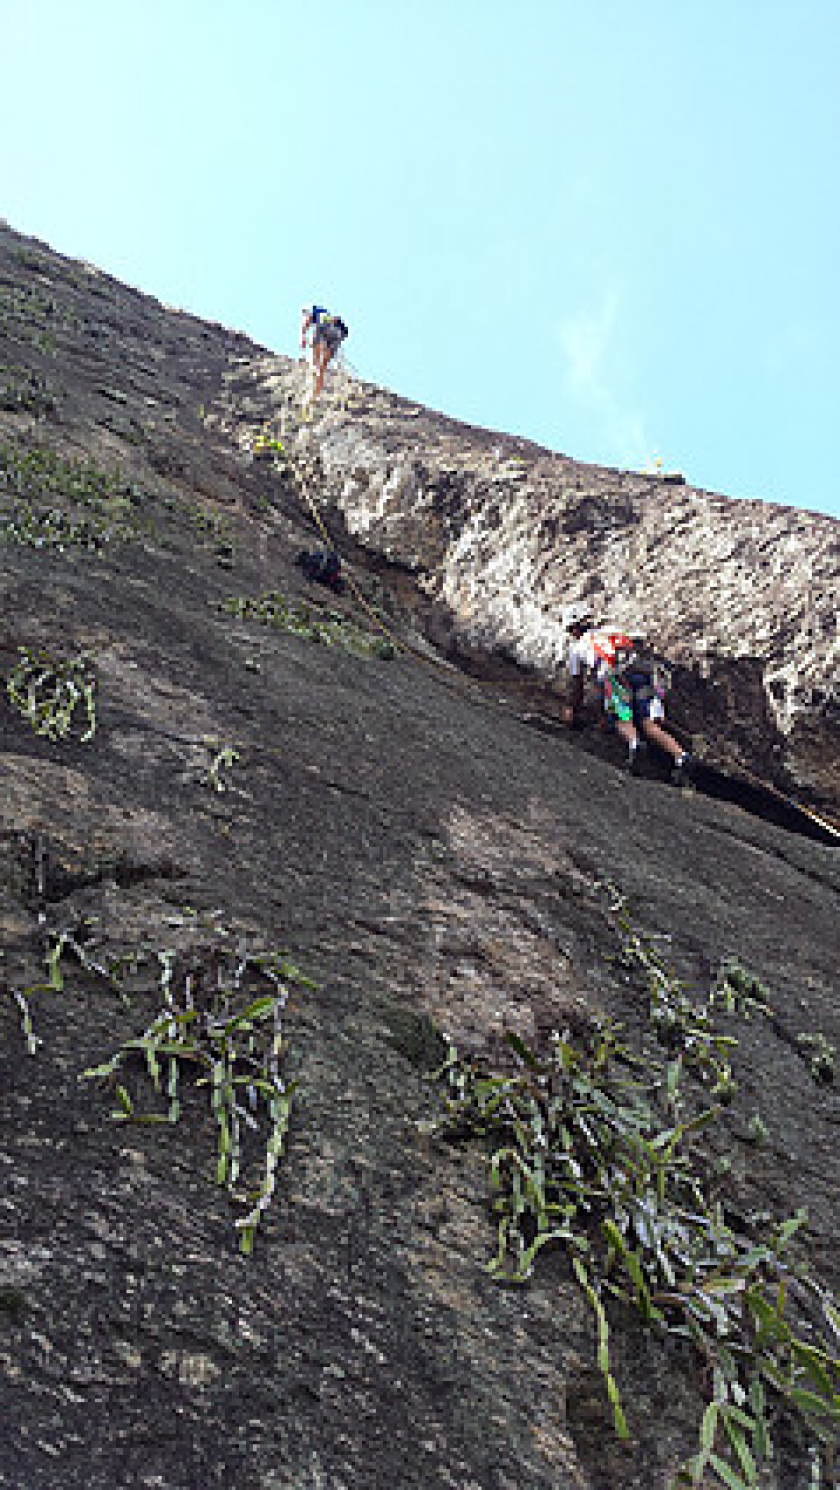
635	754
682	769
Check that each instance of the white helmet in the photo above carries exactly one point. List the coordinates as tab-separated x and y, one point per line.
576	614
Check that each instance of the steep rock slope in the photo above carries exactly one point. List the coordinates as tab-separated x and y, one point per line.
744	597
427	860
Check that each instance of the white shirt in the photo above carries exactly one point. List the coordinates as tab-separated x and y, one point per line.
581	654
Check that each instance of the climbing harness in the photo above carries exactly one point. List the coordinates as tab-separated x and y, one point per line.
616	692
635	681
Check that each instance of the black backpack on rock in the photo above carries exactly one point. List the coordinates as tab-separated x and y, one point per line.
322	566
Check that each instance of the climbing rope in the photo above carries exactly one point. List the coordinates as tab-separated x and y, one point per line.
825	823
363	601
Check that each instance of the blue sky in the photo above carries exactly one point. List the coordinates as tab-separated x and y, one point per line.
613	228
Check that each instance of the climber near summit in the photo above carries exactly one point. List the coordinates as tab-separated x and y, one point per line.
328	332
632	685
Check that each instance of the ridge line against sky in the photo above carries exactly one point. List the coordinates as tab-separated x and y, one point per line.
613	233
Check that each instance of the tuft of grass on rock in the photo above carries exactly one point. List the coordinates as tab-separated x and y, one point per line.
218	1028
47	501
23	391
681	1022
222	1033
328	628
47	691
594	1150
583	1158
222	759
30	312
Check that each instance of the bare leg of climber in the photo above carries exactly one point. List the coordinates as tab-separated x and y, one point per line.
321	353
653	731
627	730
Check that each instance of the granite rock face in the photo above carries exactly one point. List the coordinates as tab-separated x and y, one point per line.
263	776
742	596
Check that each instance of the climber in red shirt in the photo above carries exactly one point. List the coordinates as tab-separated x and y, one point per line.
633	686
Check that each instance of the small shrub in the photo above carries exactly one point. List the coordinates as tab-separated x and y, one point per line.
48	690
